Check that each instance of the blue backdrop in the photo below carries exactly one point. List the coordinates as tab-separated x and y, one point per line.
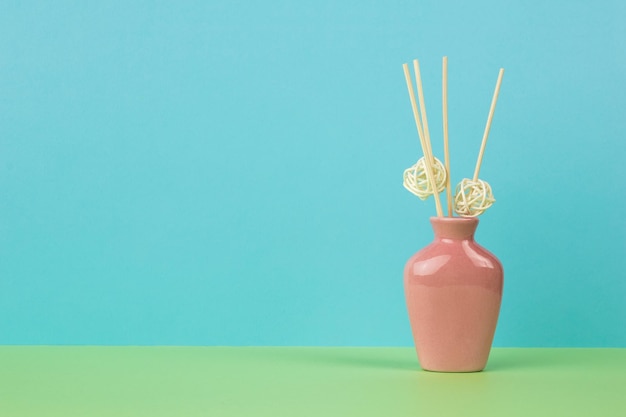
230	172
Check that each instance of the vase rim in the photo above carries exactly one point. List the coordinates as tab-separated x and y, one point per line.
454	227
454	219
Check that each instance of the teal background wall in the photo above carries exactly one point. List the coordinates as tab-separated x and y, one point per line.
229	172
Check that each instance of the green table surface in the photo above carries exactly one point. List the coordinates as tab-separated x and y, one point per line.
304	381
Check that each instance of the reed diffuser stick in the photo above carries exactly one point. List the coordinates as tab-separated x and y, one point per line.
420	132
446	150
422	109
424	117
492	110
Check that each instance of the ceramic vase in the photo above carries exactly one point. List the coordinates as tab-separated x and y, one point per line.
453	290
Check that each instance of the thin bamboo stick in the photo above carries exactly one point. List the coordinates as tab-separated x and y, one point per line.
422	108
420	132
446	149
492	110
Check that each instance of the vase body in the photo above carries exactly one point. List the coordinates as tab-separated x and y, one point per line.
453	290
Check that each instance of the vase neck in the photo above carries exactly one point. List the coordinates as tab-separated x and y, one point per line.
456	228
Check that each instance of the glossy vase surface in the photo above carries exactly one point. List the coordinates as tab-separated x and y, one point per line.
453	290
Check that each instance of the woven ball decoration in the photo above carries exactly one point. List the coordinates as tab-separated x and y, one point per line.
416	181
472	198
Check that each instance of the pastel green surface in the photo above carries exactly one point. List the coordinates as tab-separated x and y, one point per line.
264	381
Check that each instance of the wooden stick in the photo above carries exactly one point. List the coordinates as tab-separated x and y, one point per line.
420	132
418	124
446	150
492	110
420	94
429	156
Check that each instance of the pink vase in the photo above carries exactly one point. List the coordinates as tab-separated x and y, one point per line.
453	290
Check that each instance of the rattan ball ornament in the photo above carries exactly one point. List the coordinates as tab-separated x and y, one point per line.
472	198
417	182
